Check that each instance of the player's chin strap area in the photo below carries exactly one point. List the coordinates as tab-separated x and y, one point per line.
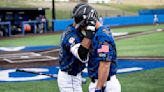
80	52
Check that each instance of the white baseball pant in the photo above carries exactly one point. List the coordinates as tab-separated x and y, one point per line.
110	86
69	83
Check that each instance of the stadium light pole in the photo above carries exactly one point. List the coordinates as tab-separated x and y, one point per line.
53	15
53	9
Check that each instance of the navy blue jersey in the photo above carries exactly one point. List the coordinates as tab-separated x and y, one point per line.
103	49
68	62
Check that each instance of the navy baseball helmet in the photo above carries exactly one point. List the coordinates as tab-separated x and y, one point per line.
83	11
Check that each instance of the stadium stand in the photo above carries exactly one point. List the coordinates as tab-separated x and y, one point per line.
18	16
33	20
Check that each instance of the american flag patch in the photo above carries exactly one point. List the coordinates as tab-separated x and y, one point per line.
104	48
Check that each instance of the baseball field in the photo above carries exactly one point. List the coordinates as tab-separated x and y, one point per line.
142	45
144	41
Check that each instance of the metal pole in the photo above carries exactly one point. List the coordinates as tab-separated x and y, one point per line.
53	10
53	15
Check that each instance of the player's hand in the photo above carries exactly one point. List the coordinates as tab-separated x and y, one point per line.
91	24
90	28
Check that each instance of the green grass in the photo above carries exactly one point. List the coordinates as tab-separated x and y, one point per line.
35	86
146	45
60	14
144	81
129	8
63	14
32	41
48	14
138	28
133	8
14	3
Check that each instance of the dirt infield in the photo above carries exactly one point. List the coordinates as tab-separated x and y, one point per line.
29	60
50	57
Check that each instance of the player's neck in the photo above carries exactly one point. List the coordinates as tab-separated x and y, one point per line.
98	24
74	24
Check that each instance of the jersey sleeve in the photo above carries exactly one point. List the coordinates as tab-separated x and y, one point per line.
106	49
74	44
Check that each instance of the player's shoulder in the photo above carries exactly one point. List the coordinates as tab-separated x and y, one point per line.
104	31
104	34
70	31
70	35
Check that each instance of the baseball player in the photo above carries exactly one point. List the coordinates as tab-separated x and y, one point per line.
75	49
102	64
155	20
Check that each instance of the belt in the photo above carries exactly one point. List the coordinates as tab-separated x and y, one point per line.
70	73
94	79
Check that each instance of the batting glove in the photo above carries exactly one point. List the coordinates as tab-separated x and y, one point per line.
90	30
91	24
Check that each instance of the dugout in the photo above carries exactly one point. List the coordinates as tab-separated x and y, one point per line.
17	15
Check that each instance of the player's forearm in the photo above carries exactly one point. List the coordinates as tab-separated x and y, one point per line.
86	43
103	73
81	50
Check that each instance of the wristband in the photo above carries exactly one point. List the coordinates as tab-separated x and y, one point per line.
98	90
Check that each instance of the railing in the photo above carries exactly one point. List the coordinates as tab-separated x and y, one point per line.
36	25
8	24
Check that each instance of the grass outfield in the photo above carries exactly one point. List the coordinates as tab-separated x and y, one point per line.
55	39
146	45
32	41
138	28
133	7
144	81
